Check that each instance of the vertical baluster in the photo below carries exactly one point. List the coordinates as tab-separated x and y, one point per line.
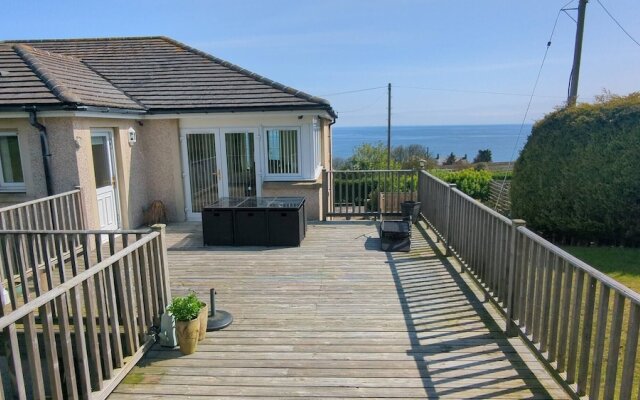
522	280
88	288
128	269
538	262
587	329
598	348
565	315
555	307
144	278
105	342
575	327
112	302
10	338
631	348
546	299
66	347
82	359
614	346
121	272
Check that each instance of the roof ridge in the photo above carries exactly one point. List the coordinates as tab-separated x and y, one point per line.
63	93
253	75
100	39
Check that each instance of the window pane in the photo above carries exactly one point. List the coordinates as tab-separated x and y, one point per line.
282	149
101	167
10	158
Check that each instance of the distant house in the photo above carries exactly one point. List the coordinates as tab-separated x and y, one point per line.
133	120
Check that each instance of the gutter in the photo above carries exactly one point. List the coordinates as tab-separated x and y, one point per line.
44	147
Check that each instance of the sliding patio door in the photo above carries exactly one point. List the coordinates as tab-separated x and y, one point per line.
217	163
240	174
203	170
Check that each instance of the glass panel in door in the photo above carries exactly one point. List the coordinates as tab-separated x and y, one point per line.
203	170
241	166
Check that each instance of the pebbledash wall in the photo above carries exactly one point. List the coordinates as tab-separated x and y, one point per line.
151	169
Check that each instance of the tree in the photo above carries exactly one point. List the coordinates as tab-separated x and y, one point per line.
450	160
413	156
370	156
483	156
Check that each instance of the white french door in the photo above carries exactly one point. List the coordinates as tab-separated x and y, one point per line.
217	163
104	169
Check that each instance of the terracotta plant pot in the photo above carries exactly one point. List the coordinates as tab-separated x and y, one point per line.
203	317
187	333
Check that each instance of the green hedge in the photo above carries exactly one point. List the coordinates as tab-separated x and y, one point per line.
473	182
578	176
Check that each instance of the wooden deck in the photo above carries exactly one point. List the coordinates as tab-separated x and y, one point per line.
337	318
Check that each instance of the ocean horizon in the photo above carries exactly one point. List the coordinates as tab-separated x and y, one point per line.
504	140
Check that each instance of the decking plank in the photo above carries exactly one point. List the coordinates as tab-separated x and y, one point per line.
336	318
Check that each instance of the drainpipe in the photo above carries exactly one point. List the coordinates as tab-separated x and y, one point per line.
44	147
331	144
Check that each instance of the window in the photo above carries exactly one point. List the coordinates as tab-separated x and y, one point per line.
11	177
317	143
282	151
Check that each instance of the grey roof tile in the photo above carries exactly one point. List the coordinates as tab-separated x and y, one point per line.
157	73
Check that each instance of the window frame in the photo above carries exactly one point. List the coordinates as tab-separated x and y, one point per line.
17	187
282	176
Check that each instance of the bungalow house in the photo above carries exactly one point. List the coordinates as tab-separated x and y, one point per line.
133	120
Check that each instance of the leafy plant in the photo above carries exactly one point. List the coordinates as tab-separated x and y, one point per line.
185	308
470	181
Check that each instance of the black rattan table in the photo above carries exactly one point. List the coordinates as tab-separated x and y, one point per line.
254	221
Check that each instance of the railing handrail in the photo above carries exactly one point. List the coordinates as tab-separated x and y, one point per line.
578	263
62	288
372	170
38	200
76	232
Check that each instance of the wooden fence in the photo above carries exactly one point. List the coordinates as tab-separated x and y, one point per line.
572	315
367	193
75	326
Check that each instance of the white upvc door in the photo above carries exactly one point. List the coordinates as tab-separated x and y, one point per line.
239	162
104	168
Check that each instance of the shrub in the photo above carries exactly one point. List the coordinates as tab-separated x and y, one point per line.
472	182
577	178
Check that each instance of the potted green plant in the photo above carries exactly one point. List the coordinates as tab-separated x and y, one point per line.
186	310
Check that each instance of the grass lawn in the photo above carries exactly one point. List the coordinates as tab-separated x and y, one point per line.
622	264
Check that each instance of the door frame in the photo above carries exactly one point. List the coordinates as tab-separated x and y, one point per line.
109	134
221	161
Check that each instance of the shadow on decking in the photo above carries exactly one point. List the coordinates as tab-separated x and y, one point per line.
423	285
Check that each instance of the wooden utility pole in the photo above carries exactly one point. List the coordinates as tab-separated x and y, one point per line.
577	54
389	127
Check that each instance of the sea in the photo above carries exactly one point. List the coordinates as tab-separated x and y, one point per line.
505	141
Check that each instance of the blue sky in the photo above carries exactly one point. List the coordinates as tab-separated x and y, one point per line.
329	46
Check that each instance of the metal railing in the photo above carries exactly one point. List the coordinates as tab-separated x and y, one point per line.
367	193
74	329
572	315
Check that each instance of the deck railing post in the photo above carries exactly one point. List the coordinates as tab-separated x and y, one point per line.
511	328
164	262
325	194
81	209
448	217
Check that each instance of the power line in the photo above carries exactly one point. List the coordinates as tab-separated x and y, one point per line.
475	91
533	91
353	91
365	107
618	23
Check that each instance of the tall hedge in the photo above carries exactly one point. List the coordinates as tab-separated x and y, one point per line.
578	176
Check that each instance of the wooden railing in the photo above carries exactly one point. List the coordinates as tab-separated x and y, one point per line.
367	192
573	316
58	212
74	327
